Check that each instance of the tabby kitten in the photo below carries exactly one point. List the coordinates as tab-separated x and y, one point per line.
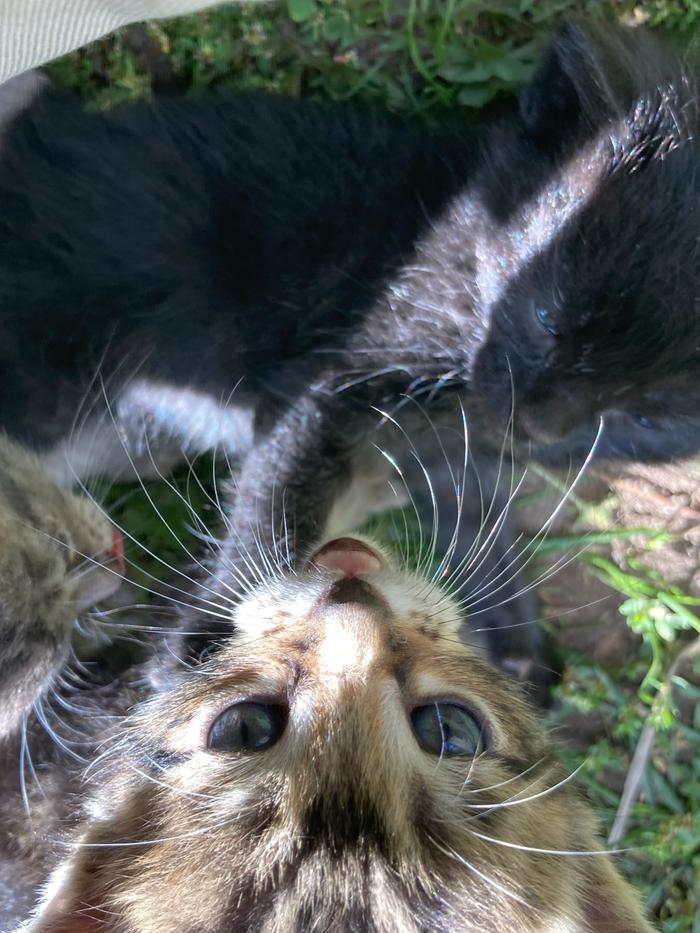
343	762
59	555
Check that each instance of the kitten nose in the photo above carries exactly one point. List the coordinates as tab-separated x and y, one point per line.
348	555
117	551
351	557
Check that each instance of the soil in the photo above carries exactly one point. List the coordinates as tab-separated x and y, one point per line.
579	610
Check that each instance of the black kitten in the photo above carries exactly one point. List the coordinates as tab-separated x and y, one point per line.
325	261
601	316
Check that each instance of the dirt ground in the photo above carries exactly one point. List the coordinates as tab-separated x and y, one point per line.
582	611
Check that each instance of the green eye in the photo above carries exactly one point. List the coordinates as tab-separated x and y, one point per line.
447	729
247	727
547	320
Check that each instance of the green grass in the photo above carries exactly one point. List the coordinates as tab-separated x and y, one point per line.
423	56
409	54
662	835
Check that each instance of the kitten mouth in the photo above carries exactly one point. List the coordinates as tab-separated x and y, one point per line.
350	556
530	428
103	576
353	591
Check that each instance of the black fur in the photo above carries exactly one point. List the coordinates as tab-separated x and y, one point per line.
216	240
621	274
329	260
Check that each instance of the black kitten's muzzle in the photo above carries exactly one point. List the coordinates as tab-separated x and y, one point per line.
533	423
554	413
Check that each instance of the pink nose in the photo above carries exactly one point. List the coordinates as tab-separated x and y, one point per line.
117	552
349	556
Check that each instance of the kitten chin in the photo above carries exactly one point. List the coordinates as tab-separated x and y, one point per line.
342	761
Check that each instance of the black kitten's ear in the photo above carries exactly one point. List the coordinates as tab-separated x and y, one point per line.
589	75
551	100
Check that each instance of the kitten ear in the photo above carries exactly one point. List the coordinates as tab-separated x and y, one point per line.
70	903
551	98
588	75
82	892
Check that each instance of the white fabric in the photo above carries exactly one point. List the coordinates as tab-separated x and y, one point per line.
33	32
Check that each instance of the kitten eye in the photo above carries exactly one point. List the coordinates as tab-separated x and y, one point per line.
208	650
644	422
247	727
65	542
447	729
547	320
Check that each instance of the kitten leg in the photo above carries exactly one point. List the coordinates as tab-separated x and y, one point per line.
283	498
293	476
150	428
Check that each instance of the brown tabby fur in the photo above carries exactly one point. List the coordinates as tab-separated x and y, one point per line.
53	549
345	824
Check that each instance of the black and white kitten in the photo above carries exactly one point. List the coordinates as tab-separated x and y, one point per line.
325	262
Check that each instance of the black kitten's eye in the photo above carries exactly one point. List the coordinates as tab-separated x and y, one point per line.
247	727
201	646
547	320
207	650
447	729
644	422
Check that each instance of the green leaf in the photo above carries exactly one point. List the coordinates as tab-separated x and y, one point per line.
476	96
301	10
685	616
467	74
663	792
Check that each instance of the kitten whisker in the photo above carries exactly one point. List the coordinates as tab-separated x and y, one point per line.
478	552
516	800
541	851
26	763
399	472
138	543
158	512
139	843
560	564
547	618
516	777
459	487
178	791
451	853
532	548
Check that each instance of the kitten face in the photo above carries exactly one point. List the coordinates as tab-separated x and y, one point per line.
343	760
60	555
597	312
69	532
